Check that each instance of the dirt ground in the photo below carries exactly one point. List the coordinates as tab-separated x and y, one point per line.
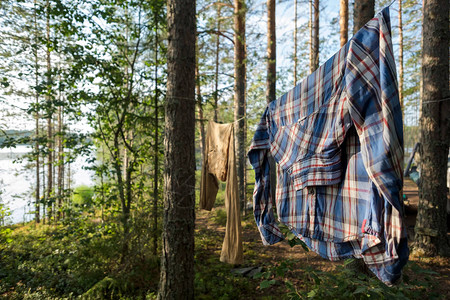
282	251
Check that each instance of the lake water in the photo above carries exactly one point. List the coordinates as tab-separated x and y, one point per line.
17	183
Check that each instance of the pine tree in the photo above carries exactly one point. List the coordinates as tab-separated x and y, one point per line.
343	22
431	238
400	58
239	93
314	35
363	11
295	42
177	262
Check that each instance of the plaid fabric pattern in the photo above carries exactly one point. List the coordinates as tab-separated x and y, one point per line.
338	143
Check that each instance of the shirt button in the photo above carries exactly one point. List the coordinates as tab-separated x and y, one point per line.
311	190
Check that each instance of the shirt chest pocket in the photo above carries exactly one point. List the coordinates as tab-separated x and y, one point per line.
309	149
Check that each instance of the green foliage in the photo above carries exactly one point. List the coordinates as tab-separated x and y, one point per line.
67	261
221	217
292	239
270	276
213	279
344	283
83	196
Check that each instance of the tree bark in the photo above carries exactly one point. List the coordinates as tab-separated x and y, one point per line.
216	75
156	141
177	262
49	120
271	52
363	11
295	42
431	236
314	35
44	189
311	32
343	22
400	58
36	70
60	163
271	77
198	93
239	93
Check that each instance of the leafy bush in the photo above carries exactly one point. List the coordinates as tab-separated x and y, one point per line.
66	261
344	283
83	196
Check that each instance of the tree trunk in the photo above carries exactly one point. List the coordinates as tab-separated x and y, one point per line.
44	211
36	71
431	235
60	162
310	26
343	22
400	58
363	11
216	82
49	121
198	92
177	262
295	42
271	78
239	93
314	35
156	141
271	52
118	161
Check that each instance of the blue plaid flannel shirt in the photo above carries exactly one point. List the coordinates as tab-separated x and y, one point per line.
338	143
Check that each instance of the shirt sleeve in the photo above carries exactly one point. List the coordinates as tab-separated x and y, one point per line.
374	108
262	203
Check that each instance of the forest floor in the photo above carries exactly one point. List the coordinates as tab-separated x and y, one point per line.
292	273
79	259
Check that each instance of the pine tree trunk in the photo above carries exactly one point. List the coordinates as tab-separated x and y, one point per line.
44	189
271	78
295	42
400	58
37	191
177	262
363	11
310	25
239	93
216	75
36	72
156	141
198	92
49	122
60	162
314	35
343	22
431	236
271	52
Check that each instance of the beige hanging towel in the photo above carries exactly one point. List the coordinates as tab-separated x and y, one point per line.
220	164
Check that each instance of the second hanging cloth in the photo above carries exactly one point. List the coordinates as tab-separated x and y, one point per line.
219	163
